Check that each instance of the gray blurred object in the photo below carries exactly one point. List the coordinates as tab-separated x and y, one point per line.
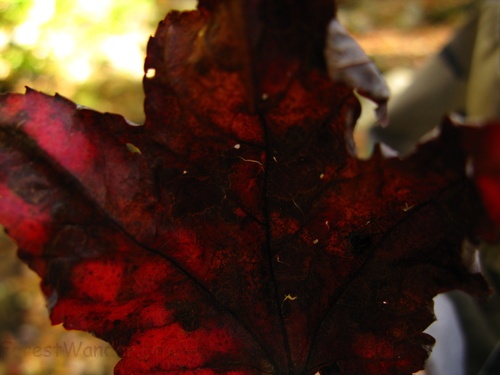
463	77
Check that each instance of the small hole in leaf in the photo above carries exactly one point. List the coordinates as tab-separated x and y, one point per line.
151	73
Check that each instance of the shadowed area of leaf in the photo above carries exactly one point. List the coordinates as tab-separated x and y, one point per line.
233	231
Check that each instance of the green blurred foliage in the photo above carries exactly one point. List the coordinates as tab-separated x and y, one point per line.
90	51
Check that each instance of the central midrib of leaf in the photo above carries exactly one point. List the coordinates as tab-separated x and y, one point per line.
268	246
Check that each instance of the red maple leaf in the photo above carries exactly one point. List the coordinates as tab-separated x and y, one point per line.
233	232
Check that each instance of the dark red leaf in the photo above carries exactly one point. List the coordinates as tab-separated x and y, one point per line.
234	232
482	144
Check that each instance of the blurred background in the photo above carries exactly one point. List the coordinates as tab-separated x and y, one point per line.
92	51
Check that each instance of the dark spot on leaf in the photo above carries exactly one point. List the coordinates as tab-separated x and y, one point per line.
294	139
286	309
359	243
278	15
29	186
60	211
193	195
73	237
187	316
